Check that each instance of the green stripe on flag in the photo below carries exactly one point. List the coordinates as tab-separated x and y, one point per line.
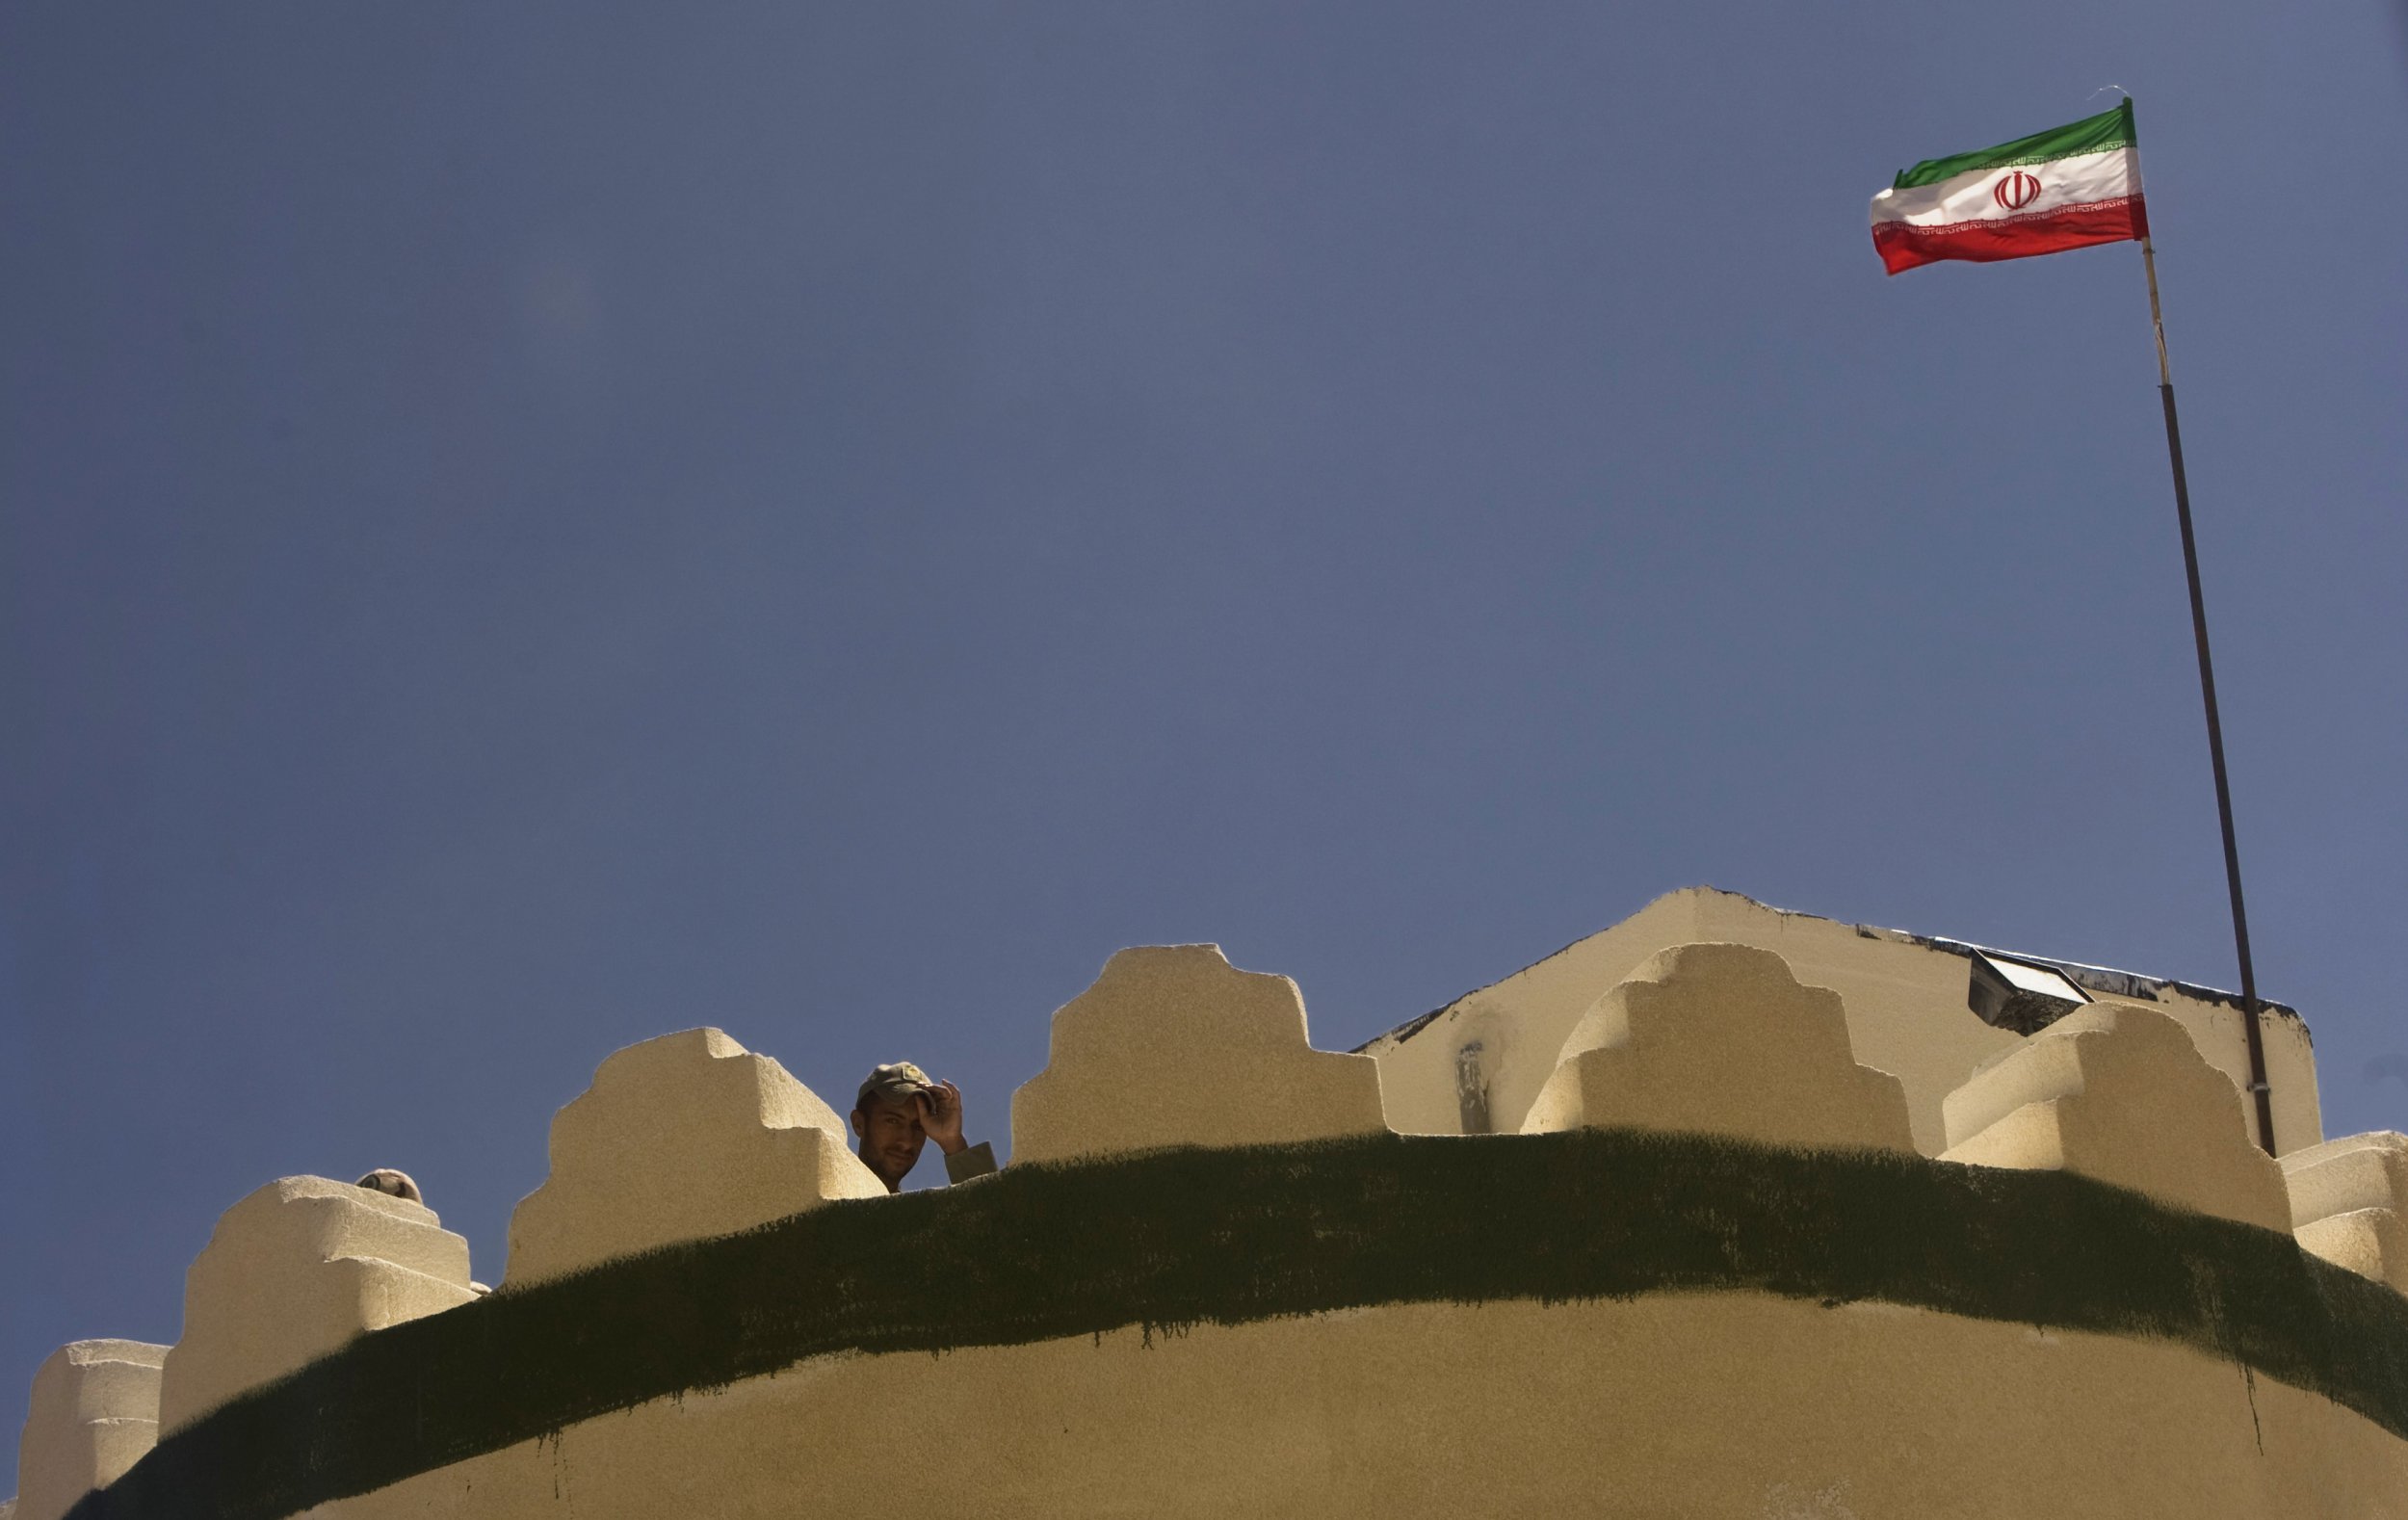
2109	129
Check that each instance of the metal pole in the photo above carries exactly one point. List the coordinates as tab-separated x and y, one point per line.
2215	727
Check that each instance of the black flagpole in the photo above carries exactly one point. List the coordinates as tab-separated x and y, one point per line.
2215	728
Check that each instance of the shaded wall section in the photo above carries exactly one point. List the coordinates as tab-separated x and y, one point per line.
1173	1241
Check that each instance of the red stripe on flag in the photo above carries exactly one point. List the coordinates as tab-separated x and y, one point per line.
1903	247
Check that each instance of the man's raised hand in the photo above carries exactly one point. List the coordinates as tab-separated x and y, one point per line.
940	1115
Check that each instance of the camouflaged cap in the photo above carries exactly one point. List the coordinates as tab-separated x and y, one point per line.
896	1081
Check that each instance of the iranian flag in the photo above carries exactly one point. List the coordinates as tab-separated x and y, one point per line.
2043	194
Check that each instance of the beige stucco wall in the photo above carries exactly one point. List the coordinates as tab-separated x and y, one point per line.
295	1270
2349	1203
1723	1039
1172	1045
680	1137
92	1413
1906	1003
2119	1091
1722	1405
1712	1404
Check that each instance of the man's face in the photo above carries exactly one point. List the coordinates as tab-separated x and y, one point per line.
891	1138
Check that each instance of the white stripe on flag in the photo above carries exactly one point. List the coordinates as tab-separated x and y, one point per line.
1990	194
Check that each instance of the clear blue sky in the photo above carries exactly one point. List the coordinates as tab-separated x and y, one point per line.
526	529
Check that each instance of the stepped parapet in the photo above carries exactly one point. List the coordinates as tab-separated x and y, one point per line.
2119	1092
1475	1065
93	1413
2349	1203
1723	1039
1174	1046
294	1271
680	1139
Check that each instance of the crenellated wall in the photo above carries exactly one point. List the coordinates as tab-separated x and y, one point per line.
2119	1092
1487	1055
1221	1056
679	1138
1723	1039
1714	1259
295	1270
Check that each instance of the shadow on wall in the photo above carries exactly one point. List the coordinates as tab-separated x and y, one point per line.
1174	1237
691	1137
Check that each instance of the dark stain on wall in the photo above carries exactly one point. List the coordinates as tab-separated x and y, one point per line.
1179	1238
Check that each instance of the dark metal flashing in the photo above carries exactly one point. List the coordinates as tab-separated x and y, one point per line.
2105	981
1408	1029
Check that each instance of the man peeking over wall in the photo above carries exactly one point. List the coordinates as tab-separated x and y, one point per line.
898	1110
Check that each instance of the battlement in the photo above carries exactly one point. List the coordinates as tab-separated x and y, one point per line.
1657	1181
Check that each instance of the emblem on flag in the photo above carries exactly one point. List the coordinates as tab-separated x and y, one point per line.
2016	190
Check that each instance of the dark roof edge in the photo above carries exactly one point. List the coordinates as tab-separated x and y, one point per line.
1421	1021
2106	981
